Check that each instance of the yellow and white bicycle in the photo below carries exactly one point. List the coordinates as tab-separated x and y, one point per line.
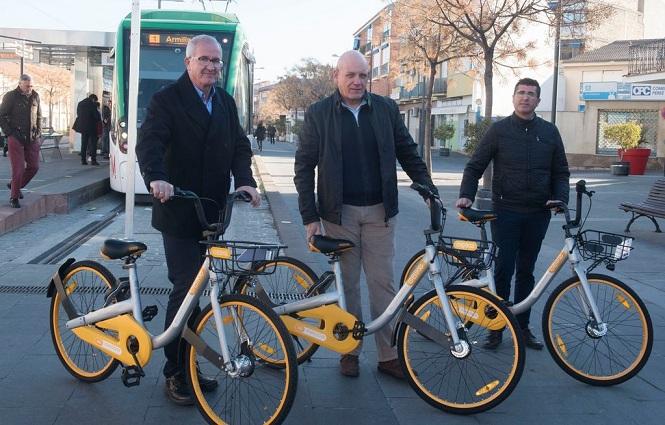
97	323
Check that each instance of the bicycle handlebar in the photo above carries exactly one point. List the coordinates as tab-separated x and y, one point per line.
580	189
200	214
435	206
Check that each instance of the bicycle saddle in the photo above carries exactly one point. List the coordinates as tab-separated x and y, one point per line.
326	245
115	248
476	216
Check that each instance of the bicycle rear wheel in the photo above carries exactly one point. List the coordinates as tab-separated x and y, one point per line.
87	284
572	338
258	393
477	380
290	282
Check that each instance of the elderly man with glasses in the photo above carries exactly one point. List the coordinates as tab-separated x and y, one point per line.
192	139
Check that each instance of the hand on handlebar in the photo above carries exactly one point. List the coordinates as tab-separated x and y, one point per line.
162	190
463	203
555	205
253	193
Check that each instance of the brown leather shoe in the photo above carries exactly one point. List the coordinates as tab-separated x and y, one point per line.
392	368
348	365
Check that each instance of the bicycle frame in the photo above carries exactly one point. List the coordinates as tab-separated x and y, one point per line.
395	307
175	329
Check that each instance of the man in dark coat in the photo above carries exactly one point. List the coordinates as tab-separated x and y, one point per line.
191	138
260	134
87	122
271	133
353	139
530	172
20	119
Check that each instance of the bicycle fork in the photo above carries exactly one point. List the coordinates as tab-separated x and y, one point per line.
241	365
459	347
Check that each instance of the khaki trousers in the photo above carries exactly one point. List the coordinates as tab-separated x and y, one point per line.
374	240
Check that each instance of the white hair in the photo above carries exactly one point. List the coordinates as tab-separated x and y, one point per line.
193	42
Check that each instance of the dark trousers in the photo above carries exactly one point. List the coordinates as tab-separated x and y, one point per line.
183	260
518	237
88	146
105	142
24	159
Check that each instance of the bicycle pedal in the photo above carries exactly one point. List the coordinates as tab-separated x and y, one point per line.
149	312
131	376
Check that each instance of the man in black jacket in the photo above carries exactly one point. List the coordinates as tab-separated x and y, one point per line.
20	119
530	172
87	121
191	138
353	138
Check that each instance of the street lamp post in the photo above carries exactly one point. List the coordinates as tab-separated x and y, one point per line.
556	6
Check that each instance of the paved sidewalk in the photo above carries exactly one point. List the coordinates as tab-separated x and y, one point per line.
60	185
35	388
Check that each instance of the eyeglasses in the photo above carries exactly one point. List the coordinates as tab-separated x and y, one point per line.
531	94
205	60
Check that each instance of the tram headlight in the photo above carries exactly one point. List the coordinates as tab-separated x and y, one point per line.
123	124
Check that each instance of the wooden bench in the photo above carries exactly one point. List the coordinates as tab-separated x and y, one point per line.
652	207
50	141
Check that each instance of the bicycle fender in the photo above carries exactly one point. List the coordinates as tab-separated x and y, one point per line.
58	275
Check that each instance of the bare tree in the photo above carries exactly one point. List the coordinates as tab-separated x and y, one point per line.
426	43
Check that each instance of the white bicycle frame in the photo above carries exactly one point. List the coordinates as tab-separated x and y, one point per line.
570	253
175	329
395	306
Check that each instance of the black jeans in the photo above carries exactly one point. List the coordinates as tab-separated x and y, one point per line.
518	237
183	260
88	146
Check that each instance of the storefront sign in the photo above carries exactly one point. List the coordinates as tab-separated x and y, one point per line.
613	90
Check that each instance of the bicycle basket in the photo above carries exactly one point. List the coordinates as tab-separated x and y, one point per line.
598	245
470	253
242	258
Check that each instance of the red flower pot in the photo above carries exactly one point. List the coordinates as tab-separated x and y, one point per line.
637	157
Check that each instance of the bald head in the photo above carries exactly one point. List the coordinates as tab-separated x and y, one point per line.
350	75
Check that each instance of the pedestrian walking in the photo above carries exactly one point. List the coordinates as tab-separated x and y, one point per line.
271	133
353	139
191	138
86	123
20	119
530	172
260	135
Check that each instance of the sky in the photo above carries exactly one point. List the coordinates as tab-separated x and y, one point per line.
281	33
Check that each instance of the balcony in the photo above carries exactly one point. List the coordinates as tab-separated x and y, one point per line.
440	88
647	58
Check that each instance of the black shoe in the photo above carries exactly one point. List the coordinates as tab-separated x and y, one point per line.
84	162
493	340
13	202
20	194
531	341
94	162
178	391
207	383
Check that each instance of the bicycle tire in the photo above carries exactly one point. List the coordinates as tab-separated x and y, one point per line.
488	376
87	282
581	355
267	332
290	282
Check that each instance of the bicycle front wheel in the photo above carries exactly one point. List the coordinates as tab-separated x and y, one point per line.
584	351
290	282
252	390
87	285
476	379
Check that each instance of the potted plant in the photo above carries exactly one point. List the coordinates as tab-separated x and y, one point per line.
444	132
628	136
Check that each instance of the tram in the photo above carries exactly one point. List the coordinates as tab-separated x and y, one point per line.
164	37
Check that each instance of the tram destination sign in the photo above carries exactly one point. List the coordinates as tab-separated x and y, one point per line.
162	39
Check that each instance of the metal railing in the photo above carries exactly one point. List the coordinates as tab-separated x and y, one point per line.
647	58
440	87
